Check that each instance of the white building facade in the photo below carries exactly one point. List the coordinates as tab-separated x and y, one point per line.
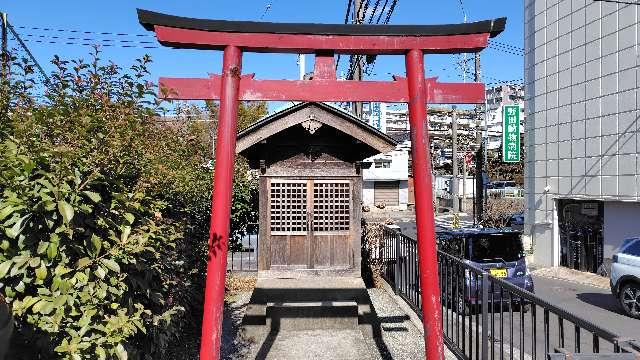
385	182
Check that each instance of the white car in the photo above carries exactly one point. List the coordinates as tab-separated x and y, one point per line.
625	277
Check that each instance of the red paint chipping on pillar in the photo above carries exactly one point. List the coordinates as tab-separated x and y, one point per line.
221	204
428	261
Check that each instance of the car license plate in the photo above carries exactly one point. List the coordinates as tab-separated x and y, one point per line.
499	273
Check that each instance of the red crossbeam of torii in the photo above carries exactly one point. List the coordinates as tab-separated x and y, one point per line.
323	40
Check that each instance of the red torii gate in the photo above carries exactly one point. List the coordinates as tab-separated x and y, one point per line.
323	40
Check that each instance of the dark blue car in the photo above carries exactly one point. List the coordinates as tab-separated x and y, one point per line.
496	251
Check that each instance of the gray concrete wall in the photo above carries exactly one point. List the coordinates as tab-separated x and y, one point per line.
581	89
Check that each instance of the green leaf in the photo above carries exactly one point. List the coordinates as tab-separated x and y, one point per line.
102	355
111	265
34	262
100	272
97	243
59	301
94	196
129	217
83	262
17	228
41	272
52	251
63	347
4	268
6	211
125	233
121	352
42	247
66	211
46	308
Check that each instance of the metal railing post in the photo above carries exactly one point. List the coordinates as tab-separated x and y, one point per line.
397	277
485	316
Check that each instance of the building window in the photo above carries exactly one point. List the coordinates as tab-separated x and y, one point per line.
383	164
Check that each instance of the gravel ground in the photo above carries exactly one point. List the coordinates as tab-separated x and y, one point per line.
399	334
234	346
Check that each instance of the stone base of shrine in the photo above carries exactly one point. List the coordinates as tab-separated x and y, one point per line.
309	305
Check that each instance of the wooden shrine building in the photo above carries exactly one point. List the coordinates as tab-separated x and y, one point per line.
309	157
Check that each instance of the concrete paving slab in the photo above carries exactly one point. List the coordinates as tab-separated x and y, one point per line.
315	344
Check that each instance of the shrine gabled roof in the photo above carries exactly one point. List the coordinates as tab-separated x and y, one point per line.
149	19
341	120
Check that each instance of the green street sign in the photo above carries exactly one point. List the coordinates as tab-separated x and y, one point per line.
511	133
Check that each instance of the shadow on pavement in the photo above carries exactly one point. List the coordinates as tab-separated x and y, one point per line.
604	301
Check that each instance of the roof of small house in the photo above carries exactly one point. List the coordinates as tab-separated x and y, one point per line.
295	115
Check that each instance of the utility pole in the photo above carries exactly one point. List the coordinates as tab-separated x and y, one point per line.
358	18
464	180
5	54
476	194
454	159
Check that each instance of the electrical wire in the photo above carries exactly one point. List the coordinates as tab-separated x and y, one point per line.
15	34
88	44
105	42
382	11
375	9
83	31
346	21
504	50
509	46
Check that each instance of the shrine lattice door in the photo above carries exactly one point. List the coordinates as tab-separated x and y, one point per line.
310	224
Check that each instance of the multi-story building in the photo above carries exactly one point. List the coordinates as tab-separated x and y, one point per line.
504	94
582	131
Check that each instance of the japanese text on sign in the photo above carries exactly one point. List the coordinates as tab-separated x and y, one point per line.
511	133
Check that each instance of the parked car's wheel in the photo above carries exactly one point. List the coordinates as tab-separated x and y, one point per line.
630	299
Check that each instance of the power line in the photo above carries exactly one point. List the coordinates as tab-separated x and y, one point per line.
346	20
515	48
47	81
504	50
88	44
93	41
382	11
267	8
83	31
375	9
464	13
371	63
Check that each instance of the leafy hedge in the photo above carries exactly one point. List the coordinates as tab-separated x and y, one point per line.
104	213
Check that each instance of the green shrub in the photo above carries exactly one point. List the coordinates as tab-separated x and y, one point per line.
104	213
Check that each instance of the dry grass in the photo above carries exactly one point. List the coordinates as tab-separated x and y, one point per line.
235	283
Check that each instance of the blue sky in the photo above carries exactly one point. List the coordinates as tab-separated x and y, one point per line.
119	16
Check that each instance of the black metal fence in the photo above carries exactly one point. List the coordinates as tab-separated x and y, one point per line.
243	254
484	317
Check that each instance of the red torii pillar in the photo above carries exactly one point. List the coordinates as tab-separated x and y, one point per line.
324	40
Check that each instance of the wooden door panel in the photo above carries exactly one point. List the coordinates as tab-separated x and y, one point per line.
298	254
322	251
341	250
279	249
